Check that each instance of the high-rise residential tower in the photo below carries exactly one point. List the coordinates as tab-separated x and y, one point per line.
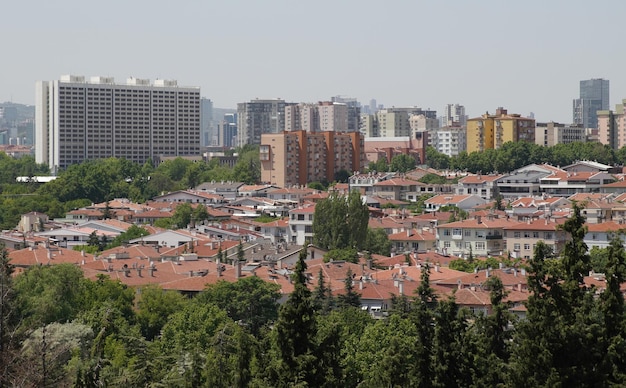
257	117
79	120
453	115
594	96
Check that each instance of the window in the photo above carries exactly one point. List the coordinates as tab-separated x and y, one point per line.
526	247
468	245
308	229
480	233
446	232
480	245
457	232
517	234
535	234
516	247
468	233
446	244
526	234
547	235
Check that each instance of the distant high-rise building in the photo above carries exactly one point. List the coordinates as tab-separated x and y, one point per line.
206	121
353	111
257	117
594	96
492	131
78	120
325	116
394	122
453	115
227	131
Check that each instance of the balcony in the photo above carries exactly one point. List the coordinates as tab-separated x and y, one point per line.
493	237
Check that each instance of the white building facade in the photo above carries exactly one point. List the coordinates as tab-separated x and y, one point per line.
77	120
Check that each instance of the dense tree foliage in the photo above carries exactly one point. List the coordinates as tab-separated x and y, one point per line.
340	222
514	155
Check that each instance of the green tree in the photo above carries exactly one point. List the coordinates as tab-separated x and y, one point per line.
250	301
402	163
182	216
229	359
377	242
322	295
450	363
340	222
350	298
295	333
8	317
154	308
49	294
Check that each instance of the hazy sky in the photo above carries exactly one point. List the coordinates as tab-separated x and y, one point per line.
527	56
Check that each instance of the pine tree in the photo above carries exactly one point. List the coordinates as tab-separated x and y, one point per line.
424	303
351	298
295	334
7	317
322	295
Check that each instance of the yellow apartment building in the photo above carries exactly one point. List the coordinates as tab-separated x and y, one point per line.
492	131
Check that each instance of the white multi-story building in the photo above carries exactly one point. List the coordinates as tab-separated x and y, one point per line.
449	140
79	120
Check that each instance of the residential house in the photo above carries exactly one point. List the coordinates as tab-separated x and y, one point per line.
190	196
413	240
600	235
301	224
485	186
465	202
522	238
227	190
480	236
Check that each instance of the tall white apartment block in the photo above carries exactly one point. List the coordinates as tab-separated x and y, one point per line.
79	120
453	114
449	140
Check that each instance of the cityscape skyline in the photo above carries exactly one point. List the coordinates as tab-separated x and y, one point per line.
427	55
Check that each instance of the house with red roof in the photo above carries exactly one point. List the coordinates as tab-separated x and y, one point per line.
565	183
481	185
480	236
465	202
600	235
413	240
522	238
191	196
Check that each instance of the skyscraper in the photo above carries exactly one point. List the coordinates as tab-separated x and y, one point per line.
594	96
206	122
79	120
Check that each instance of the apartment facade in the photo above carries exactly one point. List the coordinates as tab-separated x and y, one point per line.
449	140
258	117
300	157
324	116
79	120
612	126
551	134
492	131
